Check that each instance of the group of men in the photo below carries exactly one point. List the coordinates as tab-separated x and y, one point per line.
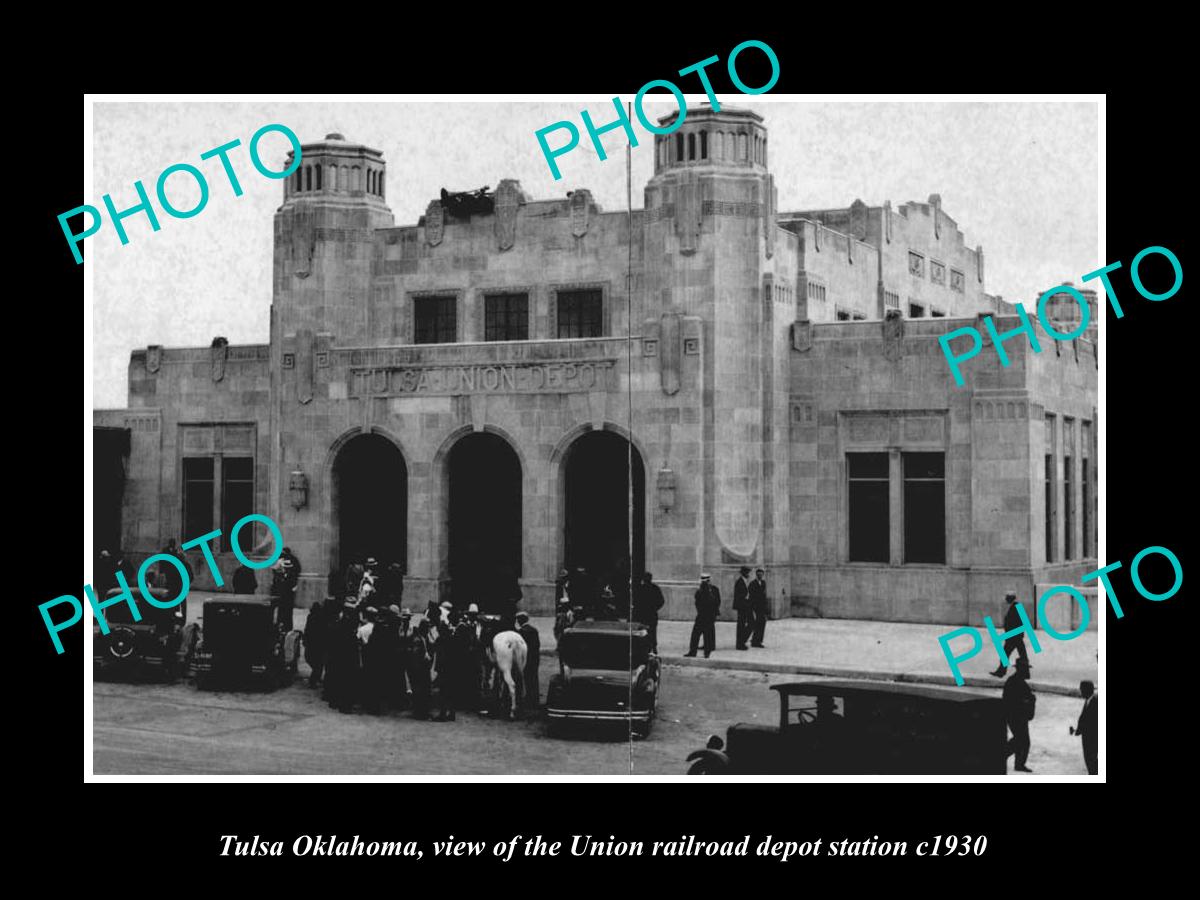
366	652
749	603
1020	702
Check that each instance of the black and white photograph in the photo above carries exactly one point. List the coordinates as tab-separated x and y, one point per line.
444	437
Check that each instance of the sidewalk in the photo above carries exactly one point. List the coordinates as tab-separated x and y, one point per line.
853	648
888	651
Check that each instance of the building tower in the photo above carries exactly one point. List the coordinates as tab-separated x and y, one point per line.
710	219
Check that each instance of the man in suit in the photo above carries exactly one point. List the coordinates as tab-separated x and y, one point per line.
1019	704
533	645
647	601
708	607
1087	726
741	606
758	606
1012	620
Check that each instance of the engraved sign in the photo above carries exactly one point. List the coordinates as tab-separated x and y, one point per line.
505	378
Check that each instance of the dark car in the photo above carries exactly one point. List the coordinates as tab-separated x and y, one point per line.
607	673
132	649
239	641
864	727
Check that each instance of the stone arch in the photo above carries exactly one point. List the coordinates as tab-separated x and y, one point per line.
327	507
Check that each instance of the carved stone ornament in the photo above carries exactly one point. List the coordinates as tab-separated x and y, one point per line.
435	220
153	358
802	335
305	364
893	335
670	344
509	198
580	202
220	353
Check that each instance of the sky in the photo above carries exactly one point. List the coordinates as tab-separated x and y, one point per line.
1019	178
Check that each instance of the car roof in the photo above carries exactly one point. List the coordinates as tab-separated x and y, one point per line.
623	629
236	601
825	688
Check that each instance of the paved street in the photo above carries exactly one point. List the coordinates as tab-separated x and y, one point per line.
175	729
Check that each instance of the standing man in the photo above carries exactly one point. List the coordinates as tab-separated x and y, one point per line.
647	601
708	607
244	580
1019	704
420	656
533	643
283	588
758	606
1086	728
1012	620
741	605
316	628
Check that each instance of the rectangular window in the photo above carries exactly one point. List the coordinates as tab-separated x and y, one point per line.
1085	519
237	496
858	317
506	317
868	507
916	311
1048	471
435	320
843	316
924	507
197	496
937	313
580	314
891	300
1068	484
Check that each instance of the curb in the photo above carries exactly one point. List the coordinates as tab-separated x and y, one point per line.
838	672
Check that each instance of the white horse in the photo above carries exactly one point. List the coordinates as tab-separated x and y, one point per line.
507	655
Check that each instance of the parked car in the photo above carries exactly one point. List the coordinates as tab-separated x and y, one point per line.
149	647
607	673
864	727
240	641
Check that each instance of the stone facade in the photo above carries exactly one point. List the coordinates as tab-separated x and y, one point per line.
724	355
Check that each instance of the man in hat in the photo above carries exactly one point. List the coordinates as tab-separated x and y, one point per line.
369	584
741	605
1019	704
647	601
533	644
283	586
1012	621
1088	725
316	628
420	656
708	607
758	607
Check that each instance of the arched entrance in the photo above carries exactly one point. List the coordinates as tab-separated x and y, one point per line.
370	495
596	488
485	541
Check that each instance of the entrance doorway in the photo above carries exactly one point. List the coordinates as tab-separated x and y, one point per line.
597	510
485	522
370	495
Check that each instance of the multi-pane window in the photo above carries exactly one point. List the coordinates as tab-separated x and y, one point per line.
580	314
937	313
924	507
891	300
197	496
816	291
506	317
237	495
843	315
1085	484
916	311
868	506
859	316
1068	496
434	320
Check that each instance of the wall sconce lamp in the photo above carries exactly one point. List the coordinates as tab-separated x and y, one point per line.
298	489
666	489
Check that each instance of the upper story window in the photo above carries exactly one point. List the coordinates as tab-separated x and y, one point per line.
506	317
937	313
860	316
916	310
956	280
816	291
868	520
891	300
937	272
916	264
580	313
843	315
924	507
435	320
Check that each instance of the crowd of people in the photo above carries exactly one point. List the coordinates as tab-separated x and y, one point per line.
367	652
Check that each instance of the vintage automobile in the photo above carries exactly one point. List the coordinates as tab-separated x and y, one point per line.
239	641
607	673
132	649
865	727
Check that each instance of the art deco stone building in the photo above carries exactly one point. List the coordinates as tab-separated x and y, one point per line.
457	394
